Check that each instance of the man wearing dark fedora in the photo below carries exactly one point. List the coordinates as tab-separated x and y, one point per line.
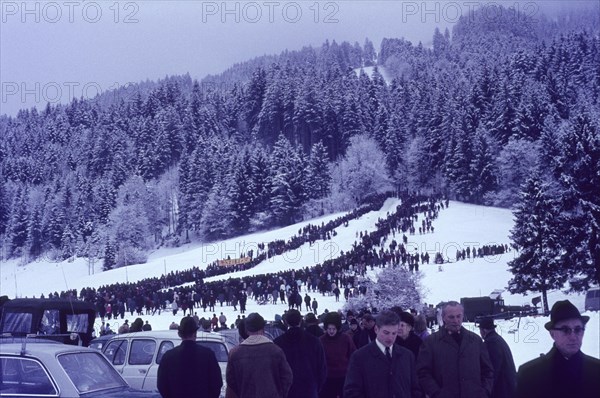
505	372
189	370
305	354
564	371
258	368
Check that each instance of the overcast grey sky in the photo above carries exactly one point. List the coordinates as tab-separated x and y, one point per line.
51	51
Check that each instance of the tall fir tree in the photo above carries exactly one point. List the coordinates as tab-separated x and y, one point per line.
538	267
110	256
242	193
287	181
318	173
19	222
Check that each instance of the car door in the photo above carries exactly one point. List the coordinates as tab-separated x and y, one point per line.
116	352
20	376
152	375
139	361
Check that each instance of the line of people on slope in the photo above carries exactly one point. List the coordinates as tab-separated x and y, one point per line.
453	362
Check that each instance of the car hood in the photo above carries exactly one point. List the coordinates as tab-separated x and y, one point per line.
123	393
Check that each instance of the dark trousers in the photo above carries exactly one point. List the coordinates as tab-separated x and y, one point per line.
333	388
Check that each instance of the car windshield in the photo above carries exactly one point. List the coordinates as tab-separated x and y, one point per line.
89	371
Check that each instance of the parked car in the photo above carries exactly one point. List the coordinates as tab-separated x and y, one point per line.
137	355
99	342
42	368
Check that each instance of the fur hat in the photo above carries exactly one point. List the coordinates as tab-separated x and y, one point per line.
254	322
333	318
563	310
407	318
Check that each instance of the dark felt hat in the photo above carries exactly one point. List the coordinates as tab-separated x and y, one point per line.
254	322
407	318
310	318
563	310
486	323
293	317
368	317
187	326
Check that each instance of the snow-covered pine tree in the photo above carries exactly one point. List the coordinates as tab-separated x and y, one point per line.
319	177
217	214
54	223
261	166
255	93
242	193
579	178
270	119
484	174
288	182
4	206
308	113
109	256
369	54
538	266
34	236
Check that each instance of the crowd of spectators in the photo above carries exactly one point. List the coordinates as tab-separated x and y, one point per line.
184	292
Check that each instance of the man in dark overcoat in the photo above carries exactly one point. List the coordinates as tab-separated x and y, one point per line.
505	372
565	371
189	370
306	357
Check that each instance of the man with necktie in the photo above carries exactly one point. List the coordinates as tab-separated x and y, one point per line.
382	368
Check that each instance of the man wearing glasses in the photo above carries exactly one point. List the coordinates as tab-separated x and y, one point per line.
565	371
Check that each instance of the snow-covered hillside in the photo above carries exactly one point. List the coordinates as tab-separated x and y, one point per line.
457	227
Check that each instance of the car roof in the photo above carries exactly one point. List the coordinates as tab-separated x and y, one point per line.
31	304
170	334
41	349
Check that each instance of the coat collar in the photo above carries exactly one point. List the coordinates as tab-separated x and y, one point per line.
255	340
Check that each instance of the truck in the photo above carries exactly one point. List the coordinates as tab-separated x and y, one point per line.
492	306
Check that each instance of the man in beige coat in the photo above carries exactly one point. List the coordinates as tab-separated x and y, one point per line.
257	368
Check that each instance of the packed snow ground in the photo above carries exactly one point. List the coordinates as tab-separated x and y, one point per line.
457	227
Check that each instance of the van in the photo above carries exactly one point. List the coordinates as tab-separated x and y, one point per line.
137	355
592	299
